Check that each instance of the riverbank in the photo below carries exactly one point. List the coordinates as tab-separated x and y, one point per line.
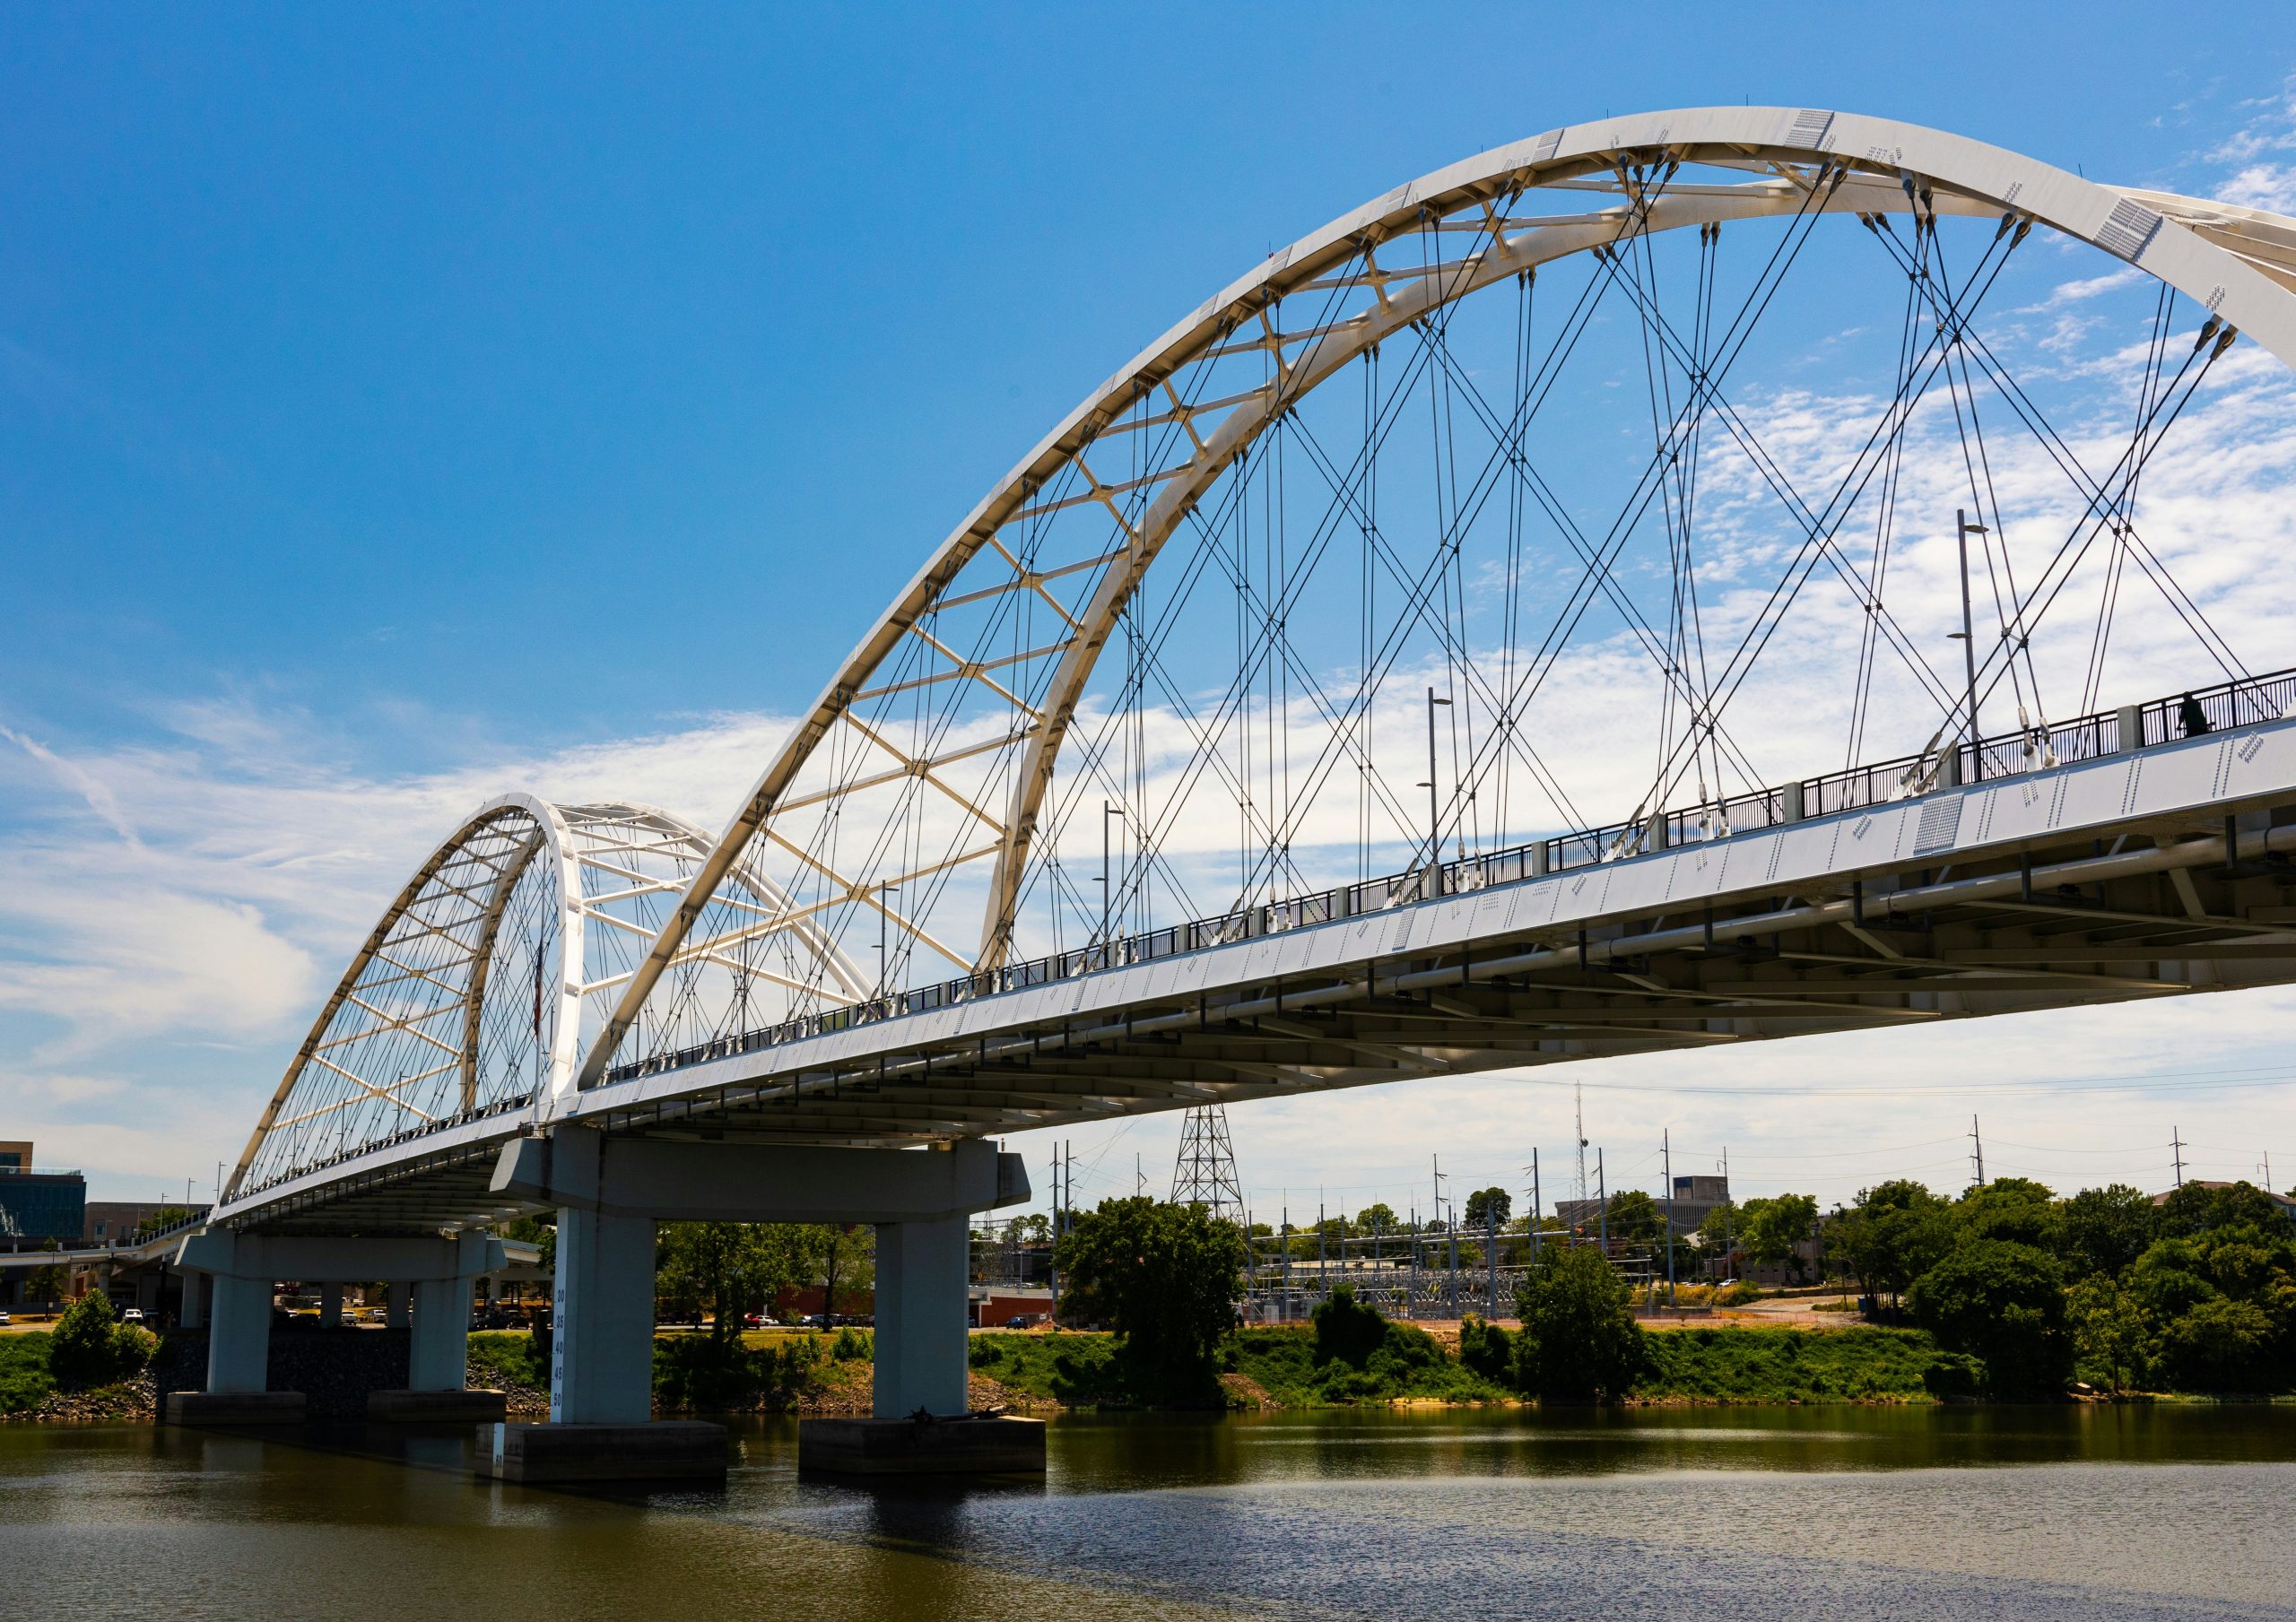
812	1374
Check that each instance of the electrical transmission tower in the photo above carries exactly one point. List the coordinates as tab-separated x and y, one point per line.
1205	1171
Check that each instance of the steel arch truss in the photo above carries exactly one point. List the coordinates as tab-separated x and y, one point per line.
476	992
910	807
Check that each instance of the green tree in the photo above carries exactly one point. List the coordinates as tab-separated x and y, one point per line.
1488	1208
1896	1232
1632	1218
1376	1219
1769	1230
46	1282
848	1262
1165	1278
2221	1344
2003	1304
1580	1342
2102	1230
2015	1208
2109	1332
2197	1208
2221	1306
733	1267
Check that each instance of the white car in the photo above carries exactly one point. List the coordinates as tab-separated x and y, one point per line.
4	1320
134	1315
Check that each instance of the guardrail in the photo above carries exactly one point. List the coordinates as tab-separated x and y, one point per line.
2237	703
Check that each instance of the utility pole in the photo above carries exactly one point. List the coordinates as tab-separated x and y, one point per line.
1537	1205
1434	817
2177	1148
1053	1269
1602	1197
1965	530
1666	1151
1287	1261
1976	1151
1490	1262
1411	1297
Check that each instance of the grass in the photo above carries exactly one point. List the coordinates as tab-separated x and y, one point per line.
1407	1364
1082	1369
1856	1364
24	1380
508	1361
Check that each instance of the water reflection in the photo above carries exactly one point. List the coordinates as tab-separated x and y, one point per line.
1954	1513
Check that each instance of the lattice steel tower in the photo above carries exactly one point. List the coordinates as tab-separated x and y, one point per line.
1206	1172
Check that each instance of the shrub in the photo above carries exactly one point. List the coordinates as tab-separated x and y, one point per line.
1488	1350
1580	1342
92	1348
853	1345
1347	1331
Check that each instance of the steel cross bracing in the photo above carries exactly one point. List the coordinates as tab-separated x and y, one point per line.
1216	592
469	999
982	665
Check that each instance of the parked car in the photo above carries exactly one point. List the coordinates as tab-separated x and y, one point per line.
1017	1321
134	1315
4	1320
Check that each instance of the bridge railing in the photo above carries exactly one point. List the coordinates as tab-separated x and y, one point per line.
2243	702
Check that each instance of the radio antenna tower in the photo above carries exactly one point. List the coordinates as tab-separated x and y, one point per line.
1205	1171
1579	1118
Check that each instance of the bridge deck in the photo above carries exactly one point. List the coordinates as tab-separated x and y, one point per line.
2104	880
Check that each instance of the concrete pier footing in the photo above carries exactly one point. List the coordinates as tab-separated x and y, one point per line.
969	1446
433	1407
233	1408
661	1450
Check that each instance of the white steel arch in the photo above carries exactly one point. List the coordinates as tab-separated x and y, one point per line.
475	992
2235	263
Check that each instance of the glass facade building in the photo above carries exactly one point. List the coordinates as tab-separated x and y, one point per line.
40	1205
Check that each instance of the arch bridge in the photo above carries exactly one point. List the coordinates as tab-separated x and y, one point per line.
1691	579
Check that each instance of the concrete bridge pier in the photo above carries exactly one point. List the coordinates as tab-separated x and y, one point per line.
241	1271
611	1191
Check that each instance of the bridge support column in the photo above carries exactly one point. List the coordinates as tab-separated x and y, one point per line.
242	1268
194	1314
611	1191
601	1322
394	1306
439	1353
331	1304
920	1337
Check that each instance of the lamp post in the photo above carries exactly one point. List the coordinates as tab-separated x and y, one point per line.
1434	817
1963	530
1108	894
884	957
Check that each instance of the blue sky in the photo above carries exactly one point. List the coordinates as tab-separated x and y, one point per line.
390	398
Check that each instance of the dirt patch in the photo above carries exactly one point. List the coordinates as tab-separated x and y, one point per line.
1244	1392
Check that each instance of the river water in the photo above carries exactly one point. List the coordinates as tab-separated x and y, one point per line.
1710	1515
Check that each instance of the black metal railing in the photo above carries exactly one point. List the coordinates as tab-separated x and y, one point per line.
2230	704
